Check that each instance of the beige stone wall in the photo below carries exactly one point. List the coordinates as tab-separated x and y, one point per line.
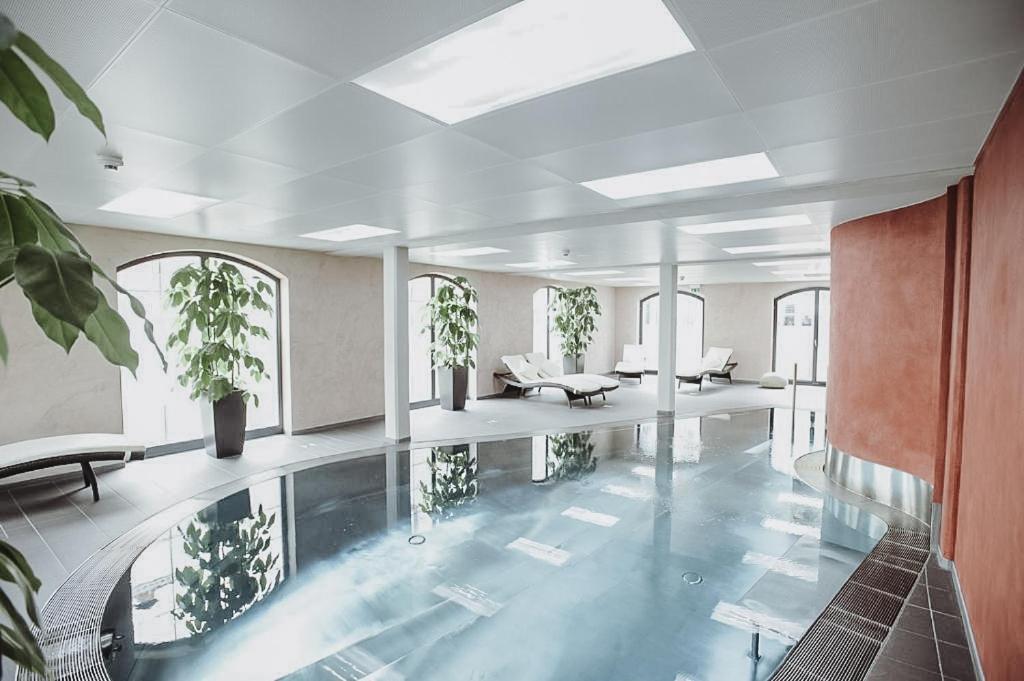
334	325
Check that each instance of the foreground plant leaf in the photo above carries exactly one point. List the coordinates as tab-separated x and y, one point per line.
62	79
60	283
109	333
24	95
61	333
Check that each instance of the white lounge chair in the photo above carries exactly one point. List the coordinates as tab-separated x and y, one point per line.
525	377
550	369
31	455
634	360
715	363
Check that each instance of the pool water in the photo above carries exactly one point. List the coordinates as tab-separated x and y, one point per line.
640	552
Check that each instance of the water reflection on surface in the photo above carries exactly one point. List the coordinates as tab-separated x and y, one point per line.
546	557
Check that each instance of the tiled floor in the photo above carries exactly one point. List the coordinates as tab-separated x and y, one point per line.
928	642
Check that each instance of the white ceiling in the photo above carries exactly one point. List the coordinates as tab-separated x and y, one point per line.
861	106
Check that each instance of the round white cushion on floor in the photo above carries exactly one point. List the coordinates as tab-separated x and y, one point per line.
774	379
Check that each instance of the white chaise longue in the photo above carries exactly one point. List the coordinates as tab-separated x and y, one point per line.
534	371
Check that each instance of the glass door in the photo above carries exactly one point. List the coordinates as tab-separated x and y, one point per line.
801	335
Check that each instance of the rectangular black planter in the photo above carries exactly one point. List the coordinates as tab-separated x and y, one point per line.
572	364
453	385
224	426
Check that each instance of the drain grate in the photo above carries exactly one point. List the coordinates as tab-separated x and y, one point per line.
843	641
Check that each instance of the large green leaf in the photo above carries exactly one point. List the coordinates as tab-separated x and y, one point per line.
24	95
17	224
7	32
110	335
62	79
60	283
61	333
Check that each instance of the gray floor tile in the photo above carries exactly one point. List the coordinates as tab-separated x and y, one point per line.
949	628
888	669
915	650
956	662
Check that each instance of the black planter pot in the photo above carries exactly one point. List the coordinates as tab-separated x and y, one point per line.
228	428
453	384
572	364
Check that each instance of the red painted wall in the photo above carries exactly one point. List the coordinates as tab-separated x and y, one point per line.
990	532
889	344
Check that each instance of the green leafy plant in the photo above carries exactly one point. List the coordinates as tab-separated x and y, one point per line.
213	302
576	313
234	569
572	456
453	475
451	314
40	255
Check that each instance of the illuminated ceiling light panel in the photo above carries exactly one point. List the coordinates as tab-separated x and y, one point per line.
158	203
350	233
473	252
824	263
779	248
529	49
801	500
782	566
791	527
627	279
541	552
771	222
592	517
691	176
626	492
592	273
541	264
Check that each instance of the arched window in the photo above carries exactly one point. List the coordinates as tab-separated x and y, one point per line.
423	389
155	407
800	334
545	338
689	328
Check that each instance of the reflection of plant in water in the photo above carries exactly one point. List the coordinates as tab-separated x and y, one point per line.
573	456
233	561
454	481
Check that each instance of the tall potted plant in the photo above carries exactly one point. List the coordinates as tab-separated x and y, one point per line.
213	302
451	317
576	313
42	257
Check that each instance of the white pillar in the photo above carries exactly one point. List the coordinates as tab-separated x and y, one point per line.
396	343
668	282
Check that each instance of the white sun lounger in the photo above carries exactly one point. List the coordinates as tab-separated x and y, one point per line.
525	377
633	364
31	455
714	363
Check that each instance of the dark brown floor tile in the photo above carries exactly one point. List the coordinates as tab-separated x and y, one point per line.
919	596
917	620
888	669
956	662
915	650
939	578
949	629
943	601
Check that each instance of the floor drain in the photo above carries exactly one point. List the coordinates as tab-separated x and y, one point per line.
417	539
692	578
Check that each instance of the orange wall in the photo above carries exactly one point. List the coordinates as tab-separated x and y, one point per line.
888	348
990	532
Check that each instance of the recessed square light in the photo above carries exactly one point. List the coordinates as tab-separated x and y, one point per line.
529	49
472	252
350	233
158	203
770	222
690	176
541	264
823	263
591	273
772	248
627	279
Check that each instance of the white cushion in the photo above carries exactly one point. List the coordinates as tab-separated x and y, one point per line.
626	368
606	382
634	355
716	359
61	445
547	368
774	379
519	367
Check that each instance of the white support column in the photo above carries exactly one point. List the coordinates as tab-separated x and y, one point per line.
668	311
396	343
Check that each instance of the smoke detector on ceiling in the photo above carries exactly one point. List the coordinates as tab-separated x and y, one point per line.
111	160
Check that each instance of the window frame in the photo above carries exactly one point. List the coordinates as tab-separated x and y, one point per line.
817	320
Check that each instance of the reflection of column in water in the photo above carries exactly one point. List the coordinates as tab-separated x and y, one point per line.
662	525
539	458
391	485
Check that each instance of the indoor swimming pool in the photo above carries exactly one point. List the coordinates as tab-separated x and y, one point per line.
646	551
